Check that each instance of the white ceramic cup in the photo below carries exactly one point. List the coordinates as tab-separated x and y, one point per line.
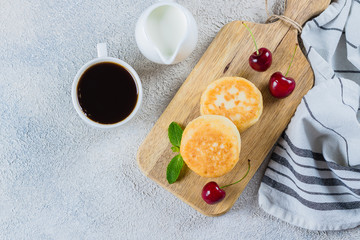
103	57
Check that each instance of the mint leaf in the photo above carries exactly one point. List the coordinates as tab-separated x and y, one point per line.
175	149
174	168
175	133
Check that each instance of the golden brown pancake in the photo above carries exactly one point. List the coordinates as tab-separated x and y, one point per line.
235	98
210	145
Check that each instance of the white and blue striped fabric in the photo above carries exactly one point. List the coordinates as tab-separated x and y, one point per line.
313	177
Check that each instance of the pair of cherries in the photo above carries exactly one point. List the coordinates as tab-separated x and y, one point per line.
280	86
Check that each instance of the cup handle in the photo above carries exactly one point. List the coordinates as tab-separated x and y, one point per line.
102	50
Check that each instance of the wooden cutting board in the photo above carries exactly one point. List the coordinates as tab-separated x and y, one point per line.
228	55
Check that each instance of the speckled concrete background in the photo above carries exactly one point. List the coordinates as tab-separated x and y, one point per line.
61	179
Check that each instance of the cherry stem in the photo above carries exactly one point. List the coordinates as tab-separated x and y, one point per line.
241	178
292	59
257	50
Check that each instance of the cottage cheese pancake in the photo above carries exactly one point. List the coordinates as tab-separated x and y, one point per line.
235	98
210	145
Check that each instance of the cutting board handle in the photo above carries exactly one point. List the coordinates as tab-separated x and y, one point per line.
303	10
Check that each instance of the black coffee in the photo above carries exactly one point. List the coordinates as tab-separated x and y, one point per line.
107	93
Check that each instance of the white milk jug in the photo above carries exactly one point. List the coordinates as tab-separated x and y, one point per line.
166	33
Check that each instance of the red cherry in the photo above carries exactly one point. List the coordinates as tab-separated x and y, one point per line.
281	86
261	61
212	193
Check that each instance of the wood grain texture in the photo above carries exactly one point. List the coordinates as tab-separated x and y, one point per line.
228	56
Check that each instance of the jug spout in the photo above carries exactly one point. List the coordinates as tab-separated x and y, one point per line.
169	56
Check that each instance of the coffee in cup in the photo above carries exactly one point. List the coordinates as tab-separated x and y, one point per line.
106	91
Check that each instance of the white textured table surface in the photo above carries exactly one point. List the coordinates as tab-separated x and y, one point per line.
61	179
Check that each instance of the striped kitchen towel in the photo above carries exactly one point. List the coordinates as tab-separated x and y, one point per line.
313	176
